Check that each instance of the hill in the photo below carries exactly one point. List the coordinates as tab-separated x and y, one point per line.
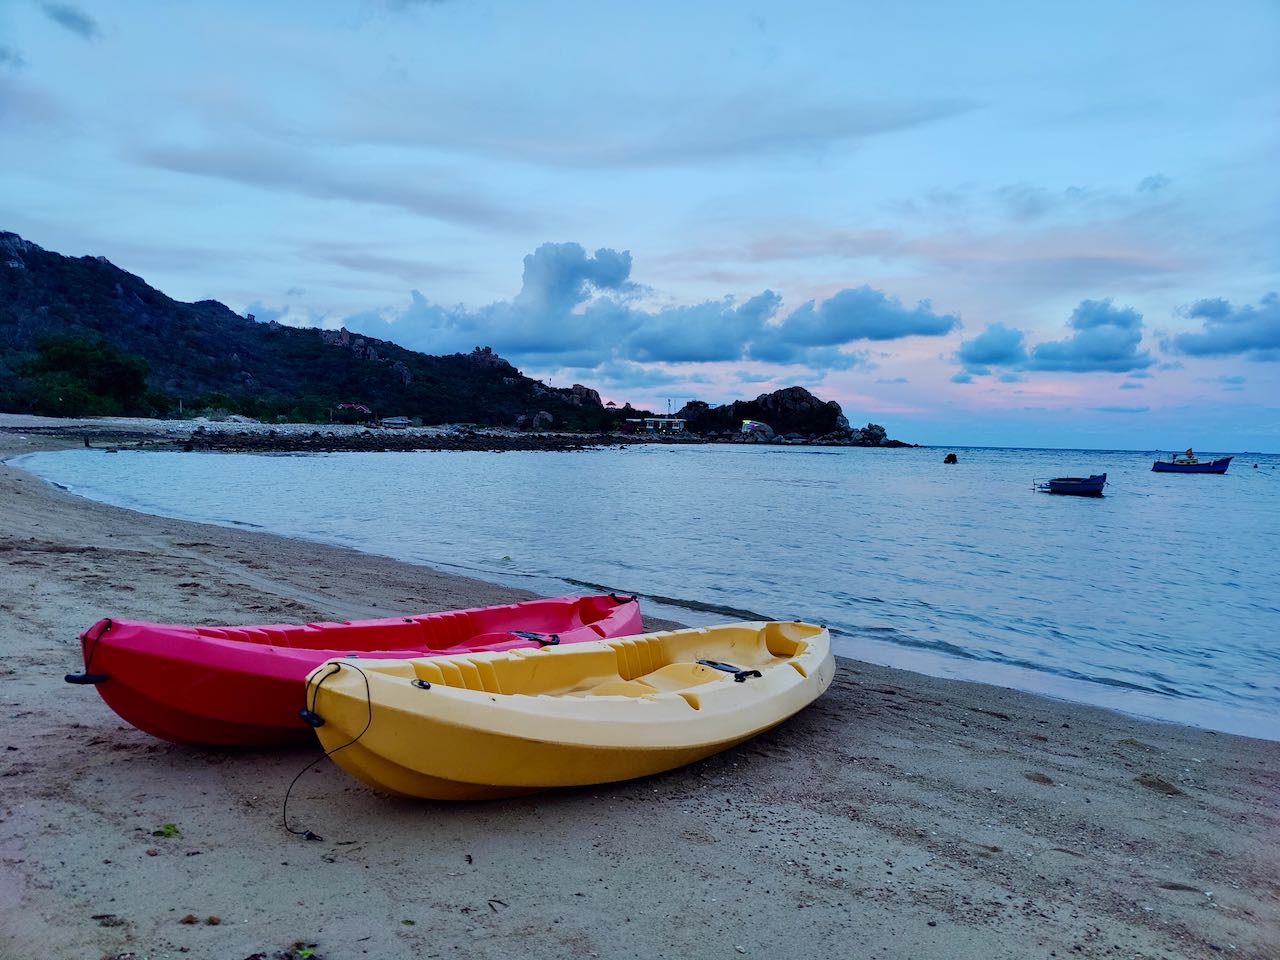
78	335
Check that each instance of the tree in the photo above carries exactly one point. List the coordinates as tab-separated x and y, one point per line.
72	376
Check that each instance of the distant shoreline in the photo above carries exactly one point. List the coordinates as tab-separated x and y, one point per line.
245	436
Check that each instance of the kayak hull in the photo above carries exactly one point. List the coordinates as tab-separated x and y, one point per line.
243	686
501	724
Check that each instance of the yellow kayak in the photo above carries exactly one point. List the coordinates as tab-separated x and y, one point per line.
482	725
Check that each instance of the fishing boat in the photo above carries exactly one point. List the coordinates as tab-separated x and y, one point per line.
483	725
1074	486
1189	463
243	686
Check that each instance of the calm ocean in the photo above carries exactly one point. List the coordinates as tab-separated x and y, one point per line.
1161	599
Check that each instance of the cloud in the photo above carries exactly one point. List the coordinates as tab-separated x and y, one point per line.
664	128
622	375
997	345
962	378
1120	409
1249	331
890	380
1106	338
369	261
1130	385
705	332
72	19
812	331
11	57
258	165
577	309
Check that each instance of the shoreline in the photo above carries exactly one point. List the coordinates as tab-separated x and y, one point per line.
905	814
252	436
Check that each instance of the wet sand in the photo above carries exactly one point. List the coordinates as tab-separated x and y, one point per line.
900	816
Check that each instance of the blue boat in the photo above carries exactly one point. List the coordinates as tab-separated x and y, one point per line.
1075	486
1188	463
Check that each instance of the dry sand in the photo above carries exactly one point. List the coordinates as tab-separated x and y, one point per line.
900	816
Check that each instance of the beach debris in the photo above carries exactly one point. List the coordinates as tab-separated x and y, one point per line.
167	830
109	920
1037	777
189	919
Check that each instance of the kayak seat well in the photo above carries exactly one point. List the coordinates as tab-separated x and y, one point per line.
671	678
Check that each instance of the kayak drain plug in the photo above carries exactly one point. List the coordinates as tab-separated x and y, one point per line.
312	718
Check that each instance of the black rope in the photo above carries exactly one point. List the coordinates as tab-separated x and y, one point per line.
310	709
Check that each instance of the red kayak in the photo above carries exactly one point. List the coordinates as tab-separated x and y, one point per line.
244	686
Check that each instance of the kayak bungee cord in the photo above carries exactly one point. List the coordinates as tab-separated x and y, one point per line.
308	714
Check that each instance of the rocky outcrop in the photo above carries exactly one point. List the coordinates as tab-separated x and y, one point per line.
787	411
792	415
581	396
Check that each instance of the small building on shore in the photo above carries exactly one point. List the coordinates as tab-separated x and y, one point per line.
656	425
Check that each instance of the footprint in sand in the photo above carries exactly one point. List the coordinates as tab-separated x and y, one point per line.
1152	782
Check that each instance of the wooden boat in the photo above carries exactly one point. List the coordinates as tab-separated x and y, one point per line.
1075	486
243	686
485	725
1188	463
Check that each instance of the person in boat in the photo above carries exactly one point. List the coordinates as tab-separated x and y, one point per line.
1191	456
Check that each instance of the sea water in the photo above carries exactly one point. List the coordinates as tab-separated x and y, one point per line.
1161	599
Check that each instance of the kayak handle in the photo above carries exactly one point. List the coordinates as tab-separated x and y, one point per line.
739	675
311	717
617	598
543	639
85	678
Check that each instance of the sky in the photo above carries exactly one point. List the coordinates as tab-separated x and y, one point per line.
980	223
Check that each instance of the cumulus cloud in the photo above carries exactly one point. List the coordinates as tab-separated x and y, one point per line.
11	57
577	309
1106	338
73	19
997	345
1249	331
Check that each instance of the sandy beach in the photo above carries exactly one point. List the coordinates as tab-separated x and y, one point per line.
900	816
